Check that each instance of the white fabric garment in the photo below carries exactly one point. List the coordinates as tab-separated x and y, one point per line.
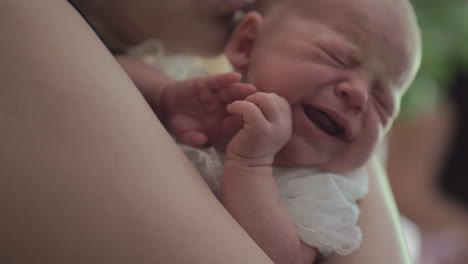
322	205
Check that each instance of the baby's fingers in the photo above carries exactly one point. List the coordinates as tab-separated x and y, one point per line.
250	113
216	82
193	138
187	131
237	91
273	106
211	90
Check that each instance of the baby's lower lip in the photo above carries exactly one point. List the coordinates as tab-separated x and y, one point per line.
314	131
324	122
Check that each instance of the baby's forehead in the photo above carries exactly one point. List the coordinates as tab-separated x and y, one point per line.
382	29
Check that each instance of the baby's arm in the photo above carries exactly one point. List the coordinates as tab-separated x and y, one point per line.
248	188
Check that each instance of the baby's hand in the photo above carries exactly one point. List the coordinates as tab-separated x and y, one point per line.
267	128
193	110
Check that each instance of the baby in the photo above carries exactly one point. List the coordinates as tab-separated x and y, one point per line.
321	85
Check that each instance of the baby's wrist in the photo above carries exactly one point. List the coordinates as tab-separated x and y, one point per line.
240	170
247	161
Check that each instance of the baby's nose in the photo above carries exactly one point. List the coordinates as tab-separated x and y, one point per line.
354	95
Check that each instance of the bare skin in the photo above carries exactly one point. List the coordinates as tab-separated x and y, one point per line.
88	173
69	194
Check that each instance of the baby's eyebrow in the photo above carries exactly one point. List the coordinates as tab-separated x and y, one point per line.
345	46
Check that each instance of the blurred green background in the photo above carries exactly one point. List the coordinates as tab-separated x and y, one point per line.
444	27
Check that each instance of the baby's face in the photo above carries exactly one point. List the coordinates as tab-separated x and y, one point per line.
343	67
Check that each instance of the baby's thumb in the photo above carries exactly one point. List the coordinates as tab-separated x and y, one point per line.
187	131
194	139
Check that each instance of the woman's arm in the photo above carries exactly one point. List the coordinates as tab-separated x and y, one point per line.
88	174
383	240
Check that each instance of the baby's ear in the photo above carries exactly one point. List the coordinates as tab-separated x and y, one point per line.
241	44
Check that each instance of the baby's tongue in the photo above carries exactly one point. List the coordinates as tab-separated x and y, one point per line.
322	121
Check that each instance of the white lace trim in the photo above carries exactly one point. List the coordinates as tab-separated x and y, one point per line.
328	241
208	164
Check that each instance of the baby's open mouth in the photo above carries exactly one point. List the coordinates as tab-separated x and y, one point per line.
325	122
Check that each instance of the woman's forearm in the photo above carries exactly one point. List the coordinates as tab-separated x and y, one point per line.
88	174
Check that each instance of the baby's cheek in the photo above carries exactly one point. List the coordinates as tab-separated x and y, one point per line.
374	140
368	142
